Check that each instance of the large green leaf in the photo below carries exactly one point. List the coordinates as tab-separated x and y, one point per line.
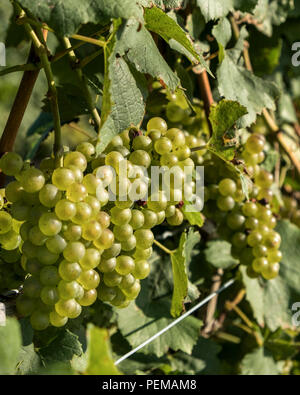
180	260
284	289
144	318
10	346
259	362
215	9
218	254
164	4
238	84
222	32
99	355
66	16
159	22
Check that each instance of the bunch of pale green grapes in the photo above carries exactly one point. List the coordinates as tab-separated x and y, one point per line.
248	225
82	232
290	210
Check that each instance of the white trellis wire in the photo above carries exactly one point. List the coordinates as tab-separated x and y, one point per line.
175	322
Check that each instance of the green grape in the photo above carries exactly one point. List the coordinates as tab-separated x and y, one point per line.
143	143
91	259
46	257
120	216
157	202
154	135
104	219
272	239
83	213
56	244
129	244
140	158
32	180
91	183
271	271
250	209
235	221
264	179
265	194
141	269
76	192
254	239
39	320
87	149
176	136
213	191
177	219
36	237
88	298
106	173
57	320
76	159
264	214
107	265
157	124
120	299
255	143
143	254
10	240
14	191
112	252
94	204
106	240
73	232
74	251
115	142
62	178
271	223
89	279
260	264
25	306
127	281
150	219
274	256
113	159
260	251
163	146
106	294
183	153
175	114
29	249
225	203
49	224
133	292
144	238
49	295
246	256
5	222
252	223
239	196
68	289
91	231
124	204
68	308
227	187
112	279
69	271
137	219
170	211
239	240
263	229
32	287
123	232
11	164
49	195
125	264
78	174
169	160
47	166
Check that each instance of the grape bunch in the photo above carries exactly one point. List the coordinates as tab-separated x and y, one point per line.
84	227
290	210
248	225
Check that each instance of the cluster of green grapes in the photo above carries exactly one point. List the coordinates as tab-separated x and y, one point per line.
290	210
248	225
84	228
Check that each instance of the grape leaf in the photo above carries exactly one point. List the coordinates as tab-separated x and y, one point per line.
222	32
215	9
164	4
245	5
284	289
66	16
99	355
218	254
10	346
238	84
145	317
29	361
203	360
259	362
180	260
159	22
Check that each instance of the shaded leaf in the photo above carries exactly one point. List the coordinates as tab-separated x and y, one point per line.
259	362
10	346
215	9
218	254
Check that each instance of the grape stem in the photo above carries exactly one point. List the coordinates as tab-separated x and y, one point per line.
267	116
201	148
162	247
91	104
